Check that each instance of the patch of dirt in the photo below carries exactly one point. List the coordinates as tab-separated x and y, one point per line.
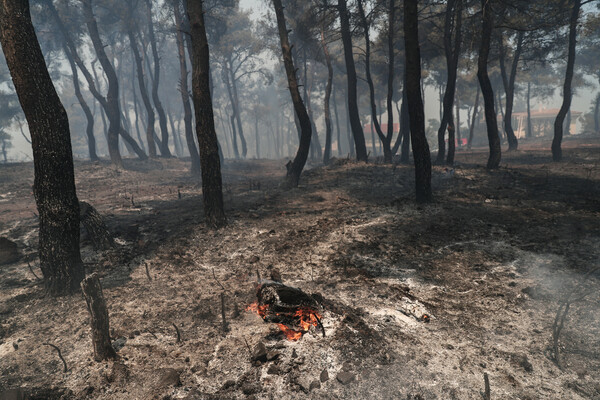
418	301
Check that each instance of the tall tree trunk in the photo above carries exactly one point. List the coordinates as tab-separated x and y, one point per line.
89	130
458	135
135	107
162	118
486	86
387	151
328	87
337	126
451	23
597	114
357	129
568	122
315	142
567	91
390	88
509	87
212	187
256	136
295	168
238	112
473	120
54	182
176	142
234	136
415	102
185	92
529	126
150	118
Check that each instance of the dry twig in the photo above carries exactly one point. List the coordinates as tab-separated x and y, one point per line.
65	369
178	333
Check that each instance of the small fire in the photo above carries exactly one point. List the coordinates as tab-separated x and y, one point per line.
305	317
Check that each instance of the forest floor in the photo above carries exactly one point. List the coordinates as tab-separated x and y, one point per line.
418	301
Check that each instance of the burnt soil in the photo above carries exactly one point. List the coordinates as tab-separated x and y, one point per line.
418	301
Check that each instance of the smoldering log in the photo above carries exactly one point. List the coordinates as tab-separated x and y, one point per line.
92	291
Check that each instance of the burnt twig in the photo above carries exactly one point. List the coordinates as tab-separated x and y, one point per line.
31	269
320	324
216	280
225	325
248	346
486	381
59	355
178	333
148	272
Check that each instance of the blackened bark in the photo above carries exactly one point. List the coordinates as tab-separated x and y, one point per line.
256	136
337	126
385	139
529	126
54	182
328	87
212	187
234	136
390	88
451	23
95	227
567	91
185	93
357	130
596	114
415	103
509	87
405	130
486	87
238	113
162	118
150	118
451	143
473	120
296	166
89	130
92	291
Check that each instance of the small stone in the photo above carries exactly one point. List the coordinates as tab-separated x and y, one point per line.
345	377
276	275
346	366
525	364
137	333
272	355
273	370
314	385
324	377
254	259
119	343
260	352
299	360
294	354
187	359
167	377
15	346
228	384
9	253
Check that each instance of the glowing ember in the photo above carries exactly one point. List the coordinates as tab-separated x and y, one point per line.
304	318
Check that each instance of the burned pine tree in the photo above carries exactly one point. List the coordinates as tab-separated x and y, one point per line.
422	158
295	167
486	85
54	184
212	186
94	298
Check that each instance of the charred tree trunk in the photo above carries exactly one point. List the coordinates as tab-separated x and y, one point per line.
328	87
212	187
54	183
529	125
95	227
135	107
509	87
405	130
452	23
185	93
415	103
92	291
385	140
238	116
390	88
473	120
150	118
162	118
357	130
486	87
337	126
597	114
567	91
89	130
295	168
256	137
458	136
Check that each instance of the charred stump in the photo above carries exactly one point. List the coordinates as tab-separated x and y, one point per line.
92	291
94	225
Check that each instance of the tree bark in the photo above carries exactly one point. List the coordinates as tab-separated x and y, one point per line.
509	87
567	91
486	87
94	298
420	147
337	126
185	93
452	55
597	114
326	109
357	129
473	120
295	168
390	88
150	118
238	113
529	126
212	187
54	181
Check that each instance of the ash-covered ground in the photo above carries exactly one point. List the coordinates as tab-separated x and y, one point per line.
487	264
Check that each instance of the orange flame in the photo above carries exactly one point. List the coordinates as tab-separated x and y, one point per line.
306	317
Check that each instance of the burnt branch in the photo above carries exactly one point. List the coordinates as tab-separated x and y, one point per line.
65	369
178	332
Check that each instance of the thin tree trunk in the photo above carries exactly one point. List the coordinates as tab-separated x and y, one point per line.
212	192
256	137
473	120
185	92
54	182
597	114
567	92
452	56
529	125
337	125
415	103
295	168
328	88
135	106
405	130
238	112
509	87
458	135
174	134
390	88
486	87
357	130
